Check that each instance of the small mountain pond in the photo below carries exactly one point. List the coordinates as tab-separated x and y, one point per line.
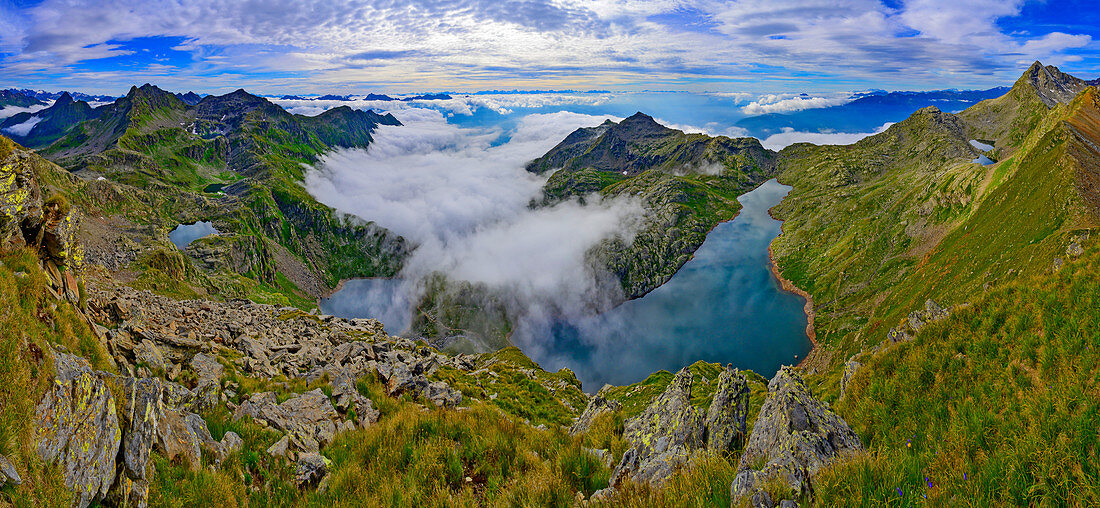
184	234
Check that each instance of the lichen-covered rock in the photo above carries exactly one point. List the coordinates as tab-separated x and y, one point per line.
58	235
310	414
728	412
400	379
76	426
663	436
366	412
281	447
146	353
128	492
142	410
917	320
344	392
20	198
8	474
1074	249
794	436
207	369
597	406
442	395
312	468
231	442
176	438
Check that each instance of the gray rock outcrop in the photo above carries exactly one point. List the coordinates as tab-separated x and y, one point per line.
77	427
728	413
670	430
916	320
850	370
309	419
794	436
311	469
663	436
442	395
597	406
8	474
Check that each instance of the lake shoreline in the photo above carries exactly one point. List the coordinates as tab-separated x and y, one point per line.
790	287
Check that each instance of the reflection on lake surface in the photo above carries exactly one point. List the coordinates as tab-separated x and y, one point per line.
980	146
184	234
983	160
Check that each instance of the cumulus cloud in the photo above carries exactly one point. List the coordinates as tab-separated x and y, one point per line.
478	44
787	103
463	199
789	136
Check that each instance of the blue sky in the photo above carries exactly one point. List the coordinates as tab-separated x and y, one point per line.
304	46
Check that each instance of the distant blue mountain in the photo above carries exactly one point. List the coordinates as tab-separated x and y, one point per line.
429	97
869	111
43	95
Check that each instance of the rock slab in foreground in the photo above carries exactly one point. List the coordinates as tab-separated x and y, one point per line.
729	412
794	436
663	436
76	426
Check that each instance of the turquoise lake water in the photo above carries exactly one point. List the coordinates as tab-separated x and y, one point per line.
723	306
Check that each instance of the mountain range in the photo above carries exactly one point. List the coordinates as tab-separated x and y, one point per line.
866	112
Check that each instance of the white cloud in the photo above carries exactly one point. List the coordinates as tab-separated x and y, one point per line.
790	136
788	103
1053	43
459	104
463	201
11	111
22	129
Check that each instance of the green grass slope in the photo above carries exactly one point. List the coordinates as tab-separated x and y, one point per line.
256	152
872	247
998	405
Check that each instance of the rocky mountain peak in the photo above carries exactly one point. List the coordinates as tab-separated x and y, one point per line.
189	98
150	97
640	125
64	99
1052	85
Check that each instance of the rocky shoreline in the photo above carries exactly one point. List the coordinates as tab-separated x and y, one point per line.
790	287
